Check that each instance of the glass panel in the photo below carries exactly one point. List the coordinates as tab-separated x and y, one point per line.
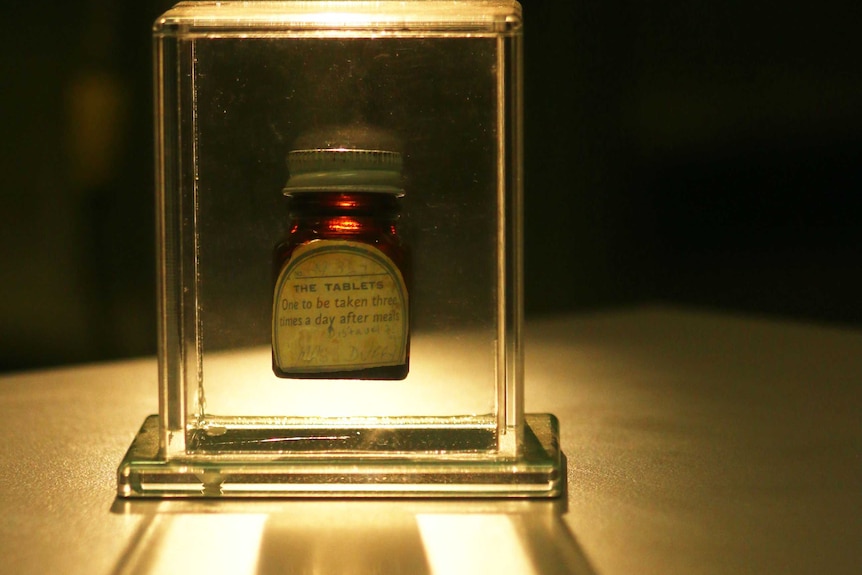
254	98
240	85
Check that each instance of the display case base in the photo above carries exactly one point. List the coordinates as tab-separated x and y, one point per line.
410	472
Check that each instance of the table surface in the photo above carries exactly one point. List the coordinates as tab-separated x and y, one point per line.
696	443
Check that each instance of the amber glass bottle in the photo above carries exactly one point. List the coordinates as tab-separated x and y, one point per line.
340	305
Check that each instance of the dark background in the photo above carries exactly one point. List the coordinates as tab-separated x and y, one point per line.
702	153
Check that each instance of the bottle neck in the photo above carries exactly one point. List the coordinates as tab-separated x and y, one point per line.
355	204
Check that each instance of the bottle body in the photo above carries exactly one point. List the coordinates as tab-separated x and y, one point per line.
341	296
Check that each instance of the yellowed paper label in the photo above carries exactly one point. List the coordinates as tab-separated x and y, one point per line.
339	305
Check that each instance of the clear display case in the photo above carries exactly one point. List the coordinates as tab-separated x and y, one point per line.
339	253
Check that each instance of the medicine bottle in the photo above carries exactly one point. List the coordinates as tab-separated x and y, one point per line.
341	296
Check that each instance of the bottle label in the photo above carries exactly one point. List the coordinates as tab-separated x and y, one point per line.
339	306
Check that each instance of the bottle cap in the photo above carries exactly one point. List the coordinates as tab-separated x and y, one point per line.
351	159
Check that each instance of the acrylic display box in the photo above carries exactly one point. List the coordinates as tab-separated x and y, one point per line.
339	254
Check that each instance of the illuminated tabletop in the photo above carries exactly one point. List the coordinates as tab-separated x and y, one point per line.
696	443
